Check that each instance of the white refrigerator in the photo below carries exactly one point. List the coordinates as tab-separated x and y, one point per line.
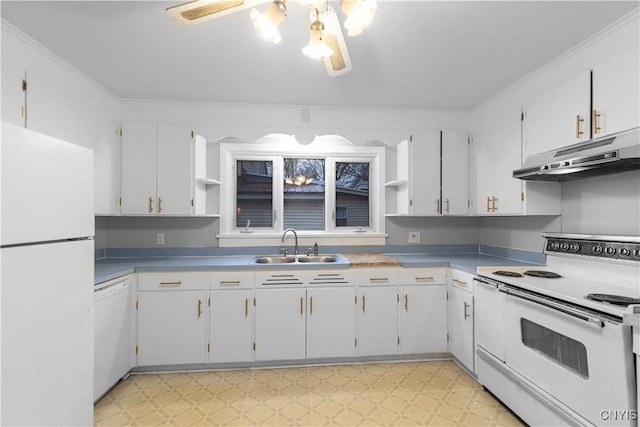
46	287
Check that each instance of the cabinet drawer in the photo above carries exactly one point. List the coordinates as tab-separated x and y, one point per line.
172	281
462	280
423	276
232	280
377	276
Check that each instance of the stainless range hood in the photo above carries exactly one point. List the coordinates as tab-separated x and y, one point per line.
601	156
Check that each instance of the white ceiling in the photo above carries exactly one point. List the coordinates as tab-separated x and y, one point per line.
417	54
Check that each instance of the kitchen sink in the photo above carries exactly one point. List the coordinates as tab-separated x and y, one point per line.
295	259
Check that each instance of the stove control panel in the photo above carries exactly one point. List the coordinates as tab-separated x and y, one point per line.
593	248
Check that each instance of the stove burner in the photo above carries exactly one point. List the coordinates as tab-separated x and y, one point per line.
543	274
614	299
507	273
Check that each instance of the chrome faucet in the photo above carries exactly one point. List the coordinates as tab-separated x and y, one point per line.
295	250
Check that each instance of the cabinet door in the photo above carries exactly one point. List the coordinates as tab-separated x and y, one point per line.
422	318
455	173
52	109
497	147
615	93
461	326
231	326
377	320
13	97
559	116
280	324
175	169
331	323
98	129
424	173
489	304
139	165
172	327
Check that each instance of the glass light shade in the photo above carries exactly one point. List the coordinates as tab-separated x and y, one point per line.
317	47
360	14
267	23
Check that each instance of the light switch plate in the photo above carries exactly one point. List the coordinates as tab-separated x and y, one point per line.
160	238
414	237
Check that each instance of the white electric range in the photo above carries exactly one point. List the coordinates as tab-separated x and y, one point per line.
560	335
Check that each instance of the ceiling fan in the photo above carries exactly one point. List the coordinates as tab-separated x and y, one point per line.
326	40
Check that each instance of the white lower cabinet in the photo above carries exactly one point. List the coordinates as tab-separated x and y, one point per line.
172	325
422	315
280	324
461	317
231	316
331	326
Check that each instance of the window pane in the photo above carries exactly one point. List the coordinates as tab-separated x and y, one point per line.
304	194
352	194
254	193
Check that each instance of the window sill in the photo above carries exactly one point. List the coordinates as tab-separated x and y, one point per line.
305	238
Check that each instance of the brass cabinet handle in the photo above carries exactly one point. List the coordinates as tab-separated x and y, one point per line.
363	304
446	202
310	305
488	204
170	284
438	205
494	204
406	302
465	310
229	282
595	121
150	204
301	306
579	131
459	282
159	204
424	279
246	307
379	279
199	308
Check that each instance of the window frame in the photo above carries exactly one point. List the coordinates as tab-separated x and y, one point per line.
275	150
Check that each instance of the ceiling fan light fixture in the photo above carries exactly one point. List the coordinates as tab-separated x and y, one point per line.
267	23
360	14
317	47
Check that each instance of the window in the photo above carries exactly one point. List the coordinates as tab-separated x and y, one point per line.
334	196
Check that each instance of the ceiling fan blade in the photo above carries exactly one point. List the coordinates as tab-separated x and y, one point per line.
197	11
339	63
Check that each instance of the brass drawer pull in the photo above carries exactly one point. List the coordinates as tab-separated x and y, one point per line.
459	282
379	279
229	282
170	284
424	279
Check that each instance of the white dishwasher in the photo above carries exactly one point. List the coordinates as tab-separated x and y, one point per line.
112	334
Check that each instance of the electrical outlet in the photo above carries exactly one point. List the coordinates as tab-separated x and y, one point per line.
160	238
414	237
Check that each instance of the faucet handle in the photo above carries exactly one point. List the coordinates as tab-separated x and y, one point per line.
284	251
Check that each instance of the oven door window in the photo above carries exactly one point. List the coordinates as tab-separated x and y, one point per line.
566	351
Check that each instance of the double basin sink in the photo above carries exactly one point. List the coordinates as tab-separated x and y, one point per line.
299	259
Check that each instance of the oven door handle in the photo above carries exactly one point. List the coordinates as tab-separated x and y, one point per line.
553	305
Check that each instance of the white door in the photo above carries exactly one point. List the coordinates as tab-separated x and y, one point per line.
331	323
498	151
13	97
424	178
280	324
455	173
172	327
461	326
422	318
489	323
377	320
560	116
175	169
139	166
231	326
616	86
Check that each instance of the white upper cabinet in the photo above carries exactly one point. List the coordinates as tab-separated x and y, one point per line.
455	173
559	116
157	168
616	85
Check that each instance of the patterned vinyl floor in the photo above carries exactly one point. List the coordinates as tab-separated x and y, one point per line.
435	393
